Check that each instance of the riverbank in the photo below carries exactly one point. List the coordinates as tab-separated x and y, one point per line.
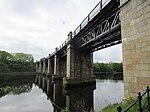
113	73
124	104
18	73
118	76
107	67
132	105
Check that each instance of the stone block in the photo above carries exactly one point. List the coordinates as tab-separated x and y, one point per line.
148	53
147	8
143	54
137	73
145	60
135	17
144	49
143	81
144	66
145	73
148	32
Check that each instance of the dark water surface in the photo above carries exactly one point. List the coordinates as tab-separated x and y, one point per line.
34	93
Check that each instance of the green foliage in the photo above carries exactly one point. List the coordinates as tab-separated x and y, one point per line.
113	108
21	57
5	56
16	62
118	67
107	67
65	110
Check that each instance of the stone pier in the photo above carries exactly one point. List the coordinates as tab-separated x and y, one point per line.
40	66
49	70
37	66
135	29
79	67
56	74
44	66
63	67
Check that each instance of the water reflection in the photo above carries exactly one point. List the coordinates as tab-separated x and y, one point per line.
15	84
74	100
30	93
117	76
80	99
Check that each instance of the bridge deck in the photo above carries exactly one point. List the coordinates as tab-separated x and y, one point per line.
100	29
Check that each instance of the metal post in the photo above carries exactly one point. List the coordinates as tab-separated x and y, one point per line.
140	102
88	18
101	5
119	108
74	32
148	98
80	27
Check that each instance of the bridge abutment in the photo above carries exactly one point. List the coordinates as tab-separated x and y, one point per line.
135	29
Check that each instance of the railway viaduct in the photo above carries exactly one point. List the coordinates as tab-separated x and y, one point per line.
111	22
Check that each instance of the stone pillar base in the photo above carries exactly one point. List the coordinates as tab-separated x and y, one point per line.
38	72
56	77
44	74
48	75
76	90
74	83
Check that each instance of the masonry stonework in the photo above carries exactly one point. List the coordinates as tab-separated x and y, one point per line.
79	66
135	29
49	71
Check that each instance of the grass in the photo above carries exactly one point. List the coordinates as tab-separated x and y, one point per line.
125	104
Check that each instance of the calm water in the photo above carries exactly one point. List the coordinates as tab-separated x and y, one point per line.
30	93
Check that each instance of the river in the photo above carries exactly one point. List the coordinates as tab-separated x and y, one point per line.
34	93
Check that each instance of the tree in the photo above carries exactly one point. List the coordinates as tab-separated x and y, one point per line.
21	57
5	56
16	62
118	67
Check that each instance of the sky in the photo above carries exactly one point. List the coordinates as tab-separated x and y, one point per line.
37	27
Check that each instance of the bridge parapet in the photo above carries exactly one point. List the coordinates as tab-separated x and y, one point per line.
91	15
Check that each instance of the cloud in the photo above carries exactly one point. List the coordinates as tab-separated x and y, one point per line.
39	26
111	54
24	102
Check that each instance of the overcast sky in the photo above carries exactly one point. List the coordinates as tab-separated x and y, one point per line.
37	27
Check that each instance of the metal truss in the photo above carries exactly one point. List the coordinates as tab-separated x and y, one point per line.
97	36
100	31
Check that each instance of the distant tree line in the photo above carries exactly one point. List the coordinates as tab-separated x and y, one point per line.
108	67
16	62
